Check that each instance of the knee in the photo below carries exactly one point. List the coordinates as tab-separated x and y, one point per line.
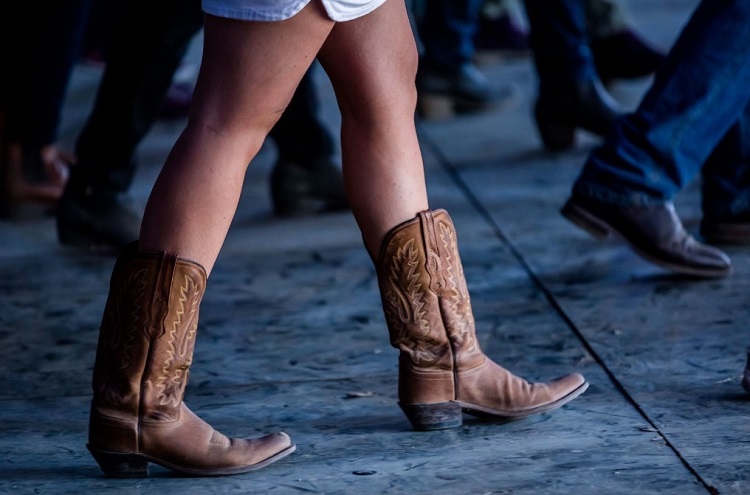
378	87
402	86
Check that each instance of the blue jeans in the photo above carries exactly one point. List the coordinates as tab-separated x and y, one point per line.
694	118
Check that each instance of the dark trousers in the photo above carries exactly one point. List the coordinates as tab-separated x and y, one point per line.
39	45
559	40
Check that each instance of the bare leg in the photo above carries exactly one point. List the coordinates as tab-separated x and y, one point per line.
372	63
241	91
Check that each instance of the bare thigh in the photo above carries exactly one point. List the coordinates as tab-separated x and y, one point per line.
372	61
250	69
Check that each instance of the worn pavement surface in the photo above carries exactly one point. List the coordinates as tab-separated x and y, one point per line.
292	336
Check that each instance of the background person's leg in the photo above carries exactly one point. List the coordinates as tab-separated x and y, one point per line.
305	178
95	210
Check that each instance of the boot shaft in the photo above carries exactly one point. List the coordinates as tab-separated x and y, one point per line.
147	335
425	299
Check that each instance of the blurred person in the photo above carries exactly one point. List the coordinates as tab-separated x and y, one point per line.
619	50
570	94
38	49
499	30
448	80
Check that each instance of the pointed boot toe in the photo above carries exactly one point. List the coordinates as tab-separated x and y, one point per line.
442	369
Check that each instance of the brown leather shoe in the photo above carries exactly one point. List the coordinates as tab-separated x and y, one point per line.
142	365
726	230
655	232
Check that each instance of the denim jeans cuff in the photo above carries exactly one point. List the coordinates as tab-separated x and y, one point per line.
616	197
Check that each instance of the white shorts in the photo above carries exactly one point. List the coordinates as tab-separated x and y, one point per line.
278	10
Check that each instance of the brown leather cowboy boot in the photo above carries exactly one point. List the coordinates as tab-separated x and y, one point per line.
142	363
442	370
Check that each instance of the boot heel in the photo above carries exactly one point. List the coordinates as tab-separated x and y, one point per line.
117	465
425	417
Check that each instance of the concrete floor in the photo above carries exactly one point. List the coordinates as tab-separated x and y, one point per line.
292	336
